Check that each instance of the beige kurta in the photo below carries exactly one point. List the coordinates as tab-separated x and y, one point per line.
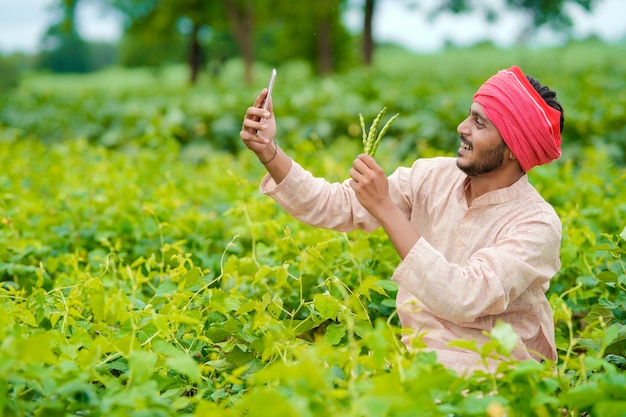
471	267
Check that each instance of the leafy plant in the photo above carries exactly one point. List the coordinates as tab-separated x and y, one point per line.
142	273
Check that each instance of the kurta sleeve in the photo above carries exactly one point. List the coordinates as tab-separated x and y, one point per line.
527	254
316	202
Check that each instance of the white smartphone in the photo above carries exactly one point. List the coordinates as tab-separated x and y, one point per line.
270	87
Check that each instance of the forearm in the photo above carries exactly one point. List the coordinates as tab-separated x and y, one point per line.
399	229
276	161
316	202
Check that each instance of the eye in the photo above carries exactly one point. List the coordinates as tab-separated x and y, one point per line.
479	122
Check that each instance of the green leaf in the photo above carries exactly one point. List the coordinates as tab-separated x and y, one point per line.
141	365
263	271
97	305
167	288
477	404
541	398
221	365
187	366
388	285
281	275
607	276
505	335
82	392
617	347
609	335
334	333
192	277
582	396
361	250
327	306
4	390
363	328
470	345
38	348
28	318
610	409
614	385
275	307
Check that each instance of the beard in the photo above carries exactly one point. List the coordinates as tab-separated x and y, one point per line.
488	161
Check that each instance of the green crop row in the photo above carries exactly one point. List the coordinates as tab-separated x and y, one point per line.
143	274
142	282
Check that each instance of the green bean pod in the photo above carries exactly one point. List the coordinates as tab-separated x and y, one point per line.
363	129
382	133
371	137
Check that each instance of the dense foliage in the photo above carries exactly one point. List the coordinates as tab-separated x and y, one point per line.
431	92
143	274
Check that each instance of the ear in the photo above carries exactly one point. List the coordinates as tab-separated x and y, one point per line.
511	156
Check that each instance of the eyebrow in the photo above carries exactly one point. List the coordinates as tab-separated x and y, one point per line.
480	116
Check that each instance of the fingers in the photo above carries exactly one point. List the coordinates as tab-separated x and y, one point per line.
254	121
365	171
260	98
256	113
367	160
355	175
258	125
252	131
365	163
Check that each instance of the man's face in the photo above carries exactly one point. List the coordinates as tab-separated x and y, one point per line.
482	149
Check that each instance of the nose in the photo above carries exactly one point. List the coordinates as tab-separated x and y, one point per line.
463	127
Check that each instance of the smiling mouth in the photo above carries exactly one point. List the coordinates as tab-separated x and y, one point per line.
466	146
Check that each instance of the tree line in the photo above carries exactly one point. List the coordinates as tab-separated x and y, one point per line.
205	33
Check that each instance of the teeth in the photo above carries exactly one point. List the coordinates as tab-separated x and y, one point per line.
466	146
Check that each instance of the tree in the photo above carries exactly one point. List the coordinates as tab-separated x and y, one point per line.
11	68
167	30
368	37
541	12
288	30
241	15
311	31
327	15
63	49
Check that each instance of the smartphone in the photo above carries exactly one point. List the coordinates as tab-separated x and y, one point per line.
270	87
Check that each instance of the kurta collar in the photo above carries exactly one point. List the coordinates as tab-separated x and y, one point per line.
499	196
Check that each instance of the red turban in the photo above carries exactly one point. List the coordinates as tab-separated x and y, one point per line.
527	124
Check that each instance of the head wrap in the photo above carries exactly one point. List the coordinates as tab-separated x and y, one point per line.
527	124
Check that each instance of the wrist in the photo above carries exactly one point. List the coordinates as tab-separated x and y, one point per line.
386	211
268	154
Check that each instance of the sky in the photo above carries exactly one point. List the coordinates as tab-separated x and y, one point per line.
23	24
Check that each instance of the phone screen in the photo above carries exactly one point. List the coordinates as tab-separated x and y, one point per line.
270	87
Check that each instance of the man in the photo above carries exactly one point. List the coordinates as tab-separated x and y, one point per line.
478	243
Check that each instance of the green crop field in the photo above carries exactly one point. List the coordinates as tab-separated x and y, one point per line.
142	273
